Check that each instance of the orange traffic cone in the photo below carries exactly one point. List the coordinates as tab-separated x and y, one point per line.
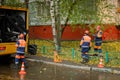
22	76
22	71
56	57
100	65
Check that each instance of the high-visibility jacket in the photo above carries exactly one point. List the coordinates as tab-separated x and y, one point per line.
98	37
20	44
85	41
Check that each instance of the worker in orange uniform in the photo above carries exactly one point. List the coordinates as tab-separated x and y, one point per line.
20	45
85	45
98	41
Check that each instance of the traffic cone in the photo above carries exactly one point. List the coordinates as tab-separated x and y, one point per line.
56	57
22	76
22	71
100	65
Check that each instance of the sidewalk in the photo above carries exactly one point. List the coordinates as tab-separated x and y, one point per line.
71	64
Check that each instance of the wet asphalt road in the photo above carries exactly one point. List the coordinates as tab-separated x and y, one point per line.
41	71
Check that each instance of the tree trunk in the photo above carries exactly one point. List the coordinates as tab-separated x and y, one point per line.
52	13
27	3
69	13
58	24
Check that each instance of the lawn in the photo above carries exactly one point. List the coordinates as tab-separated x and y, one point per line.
70	51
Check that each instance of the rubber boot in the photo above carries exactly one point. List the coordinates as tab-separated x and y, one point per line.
26	65
86	60
100	55
83	61
16	66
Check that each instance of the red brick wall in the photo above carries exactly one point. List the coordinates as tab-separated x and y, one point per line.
45	32
40	32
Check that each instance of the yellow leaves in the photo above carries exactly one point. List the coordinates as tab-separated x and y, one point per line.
113	49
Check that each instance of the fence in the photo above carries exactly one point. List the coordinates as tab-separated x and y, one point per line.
110	54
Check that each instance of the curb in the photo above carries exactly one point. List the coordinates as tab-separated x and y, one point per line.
110	70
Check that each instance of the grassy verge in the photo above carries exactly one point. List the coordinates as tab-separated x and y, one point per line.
70	51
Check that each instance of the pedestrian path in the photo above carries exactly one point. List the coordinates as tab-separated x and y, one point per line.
71	65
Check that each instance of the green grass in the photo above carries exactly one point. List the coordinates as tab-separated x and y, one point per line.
70	51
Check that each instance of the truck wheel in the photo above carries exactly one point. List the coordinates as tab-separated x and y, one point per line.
32	49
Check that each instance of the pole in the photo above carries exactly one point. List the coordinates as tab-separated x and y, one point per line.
73	53
107	59
43	49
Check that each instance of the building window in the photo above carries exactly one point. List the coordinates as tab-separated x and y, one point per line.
43	9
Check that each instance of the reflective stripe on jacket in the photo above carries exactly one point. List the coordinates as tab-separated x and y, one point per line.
98	37
85	42
21	46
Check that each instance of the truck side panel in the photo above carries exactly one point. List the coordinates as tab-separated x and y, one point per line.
7	48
